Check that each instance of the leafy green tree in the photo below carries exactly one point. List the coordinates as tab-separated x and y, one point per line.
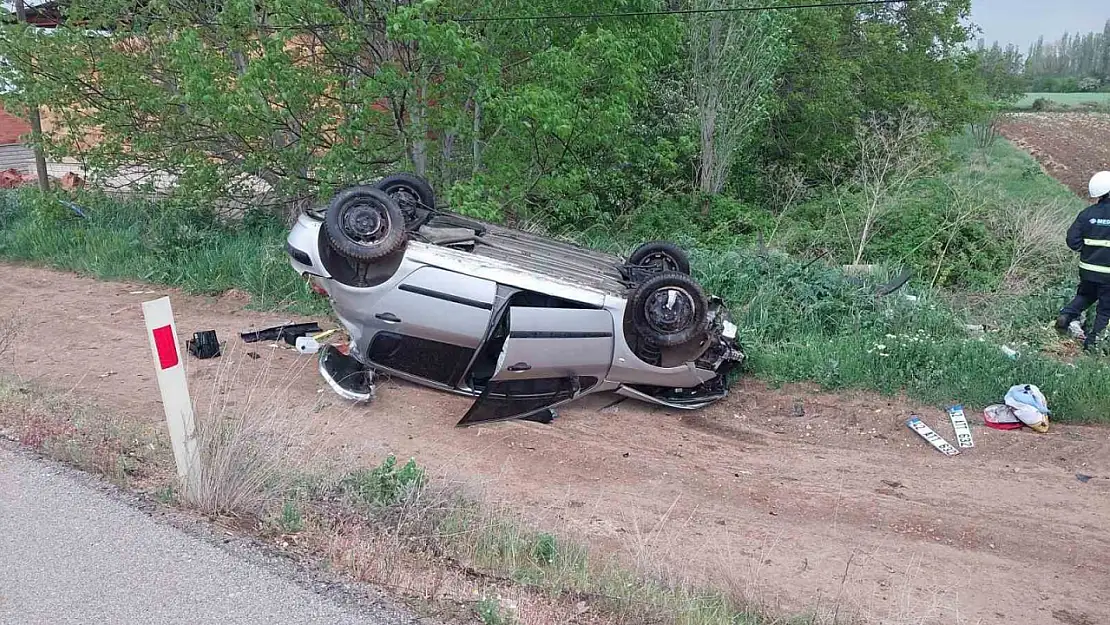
247	103
851	62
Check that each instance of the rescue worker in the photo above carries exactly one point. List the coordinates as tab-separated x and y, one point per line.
1090	236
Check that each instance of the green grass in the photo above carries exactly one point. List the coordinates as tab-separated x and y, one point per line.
1066	99
137	241
812	323
799	320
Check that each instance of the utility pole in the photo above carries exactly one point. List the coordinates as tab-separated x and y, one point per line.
36	120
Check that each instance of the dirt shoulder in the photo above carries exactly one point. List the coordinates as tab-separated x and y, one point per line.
842	506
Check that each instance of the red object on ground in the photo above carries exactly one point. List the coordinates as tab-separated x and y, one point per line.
12	178
166	346
72	181
1001	418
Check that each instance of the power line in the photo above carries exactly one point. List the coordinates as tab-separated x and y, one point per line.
599	16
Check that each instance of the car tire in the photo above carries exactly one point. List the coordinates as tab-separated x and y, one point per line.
670	310
364	224
662	257
410	192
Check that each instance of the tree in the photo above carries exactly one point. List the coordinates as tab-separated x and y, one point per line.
1105	57
251	103
735	59
849	62
892	153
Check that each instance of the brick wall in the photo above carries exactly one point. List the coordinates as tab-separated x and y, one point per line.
11	128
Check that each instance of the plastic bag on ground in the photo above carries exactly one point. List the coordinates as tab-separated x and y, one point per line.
1029	406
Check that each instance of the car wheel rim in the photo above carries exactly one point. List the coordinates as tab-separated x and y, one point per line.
661	262
365	223
669	310
405	196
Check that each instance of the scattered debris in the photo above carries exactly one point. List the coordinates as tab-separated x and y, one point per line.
288	332
961	426
934	439
312	344
1029	406
77	210
1001	417
1083	478
1076	330
544	416
204	345
307	345
1024	405
348	377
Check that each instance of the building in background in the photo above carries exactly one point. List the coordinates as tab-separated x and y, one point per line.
14	154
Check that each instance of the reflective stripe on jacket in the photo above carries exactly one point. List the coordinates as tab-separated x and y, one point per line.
1090	236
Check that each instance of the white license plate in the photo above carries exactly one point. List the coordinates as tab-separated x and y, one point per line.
927	433
961	426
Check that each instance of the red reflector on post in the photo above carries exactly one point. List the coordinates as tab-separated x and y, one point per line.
167	347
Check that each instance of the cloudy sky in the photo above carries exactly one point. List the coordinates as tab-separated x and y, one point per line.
1022	21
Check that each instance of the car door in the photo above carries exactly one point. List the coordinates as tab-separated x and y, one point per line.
430	325
550	357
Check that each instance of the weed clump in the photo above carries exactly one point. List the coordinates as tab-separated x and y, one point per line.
385	485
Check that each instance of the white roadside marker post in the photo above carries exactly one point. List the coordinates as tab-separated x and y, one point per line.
162	333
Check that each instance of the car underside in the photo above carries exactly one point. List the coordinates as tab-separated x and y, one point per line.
524	323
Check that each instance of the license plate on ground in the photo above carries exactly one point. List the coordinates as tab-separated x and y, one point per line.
961	426
934	439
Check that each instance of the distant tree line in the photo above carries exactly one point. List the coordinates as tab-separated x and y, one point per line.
1073	63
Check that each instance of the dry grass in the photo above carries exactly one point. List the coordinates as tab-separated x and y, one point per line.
393	525
9	332
253	446
124	451
1033	233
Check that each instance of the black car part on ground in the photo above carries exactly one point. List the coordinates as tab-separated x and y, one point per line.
346	375
895	285
365	224
520	399
669	310
204	345
289	333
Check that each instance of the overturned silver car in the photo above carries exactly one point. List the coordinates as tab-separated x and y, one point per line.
522	322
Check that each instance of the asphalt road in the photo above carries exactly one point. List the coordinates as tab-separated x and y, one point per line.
71	554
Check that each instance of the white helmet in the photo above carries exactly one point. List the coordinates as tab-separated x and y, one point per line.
1100	184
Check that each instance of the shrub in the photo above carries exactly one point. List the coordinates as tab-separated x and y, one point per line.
385	485
1044	104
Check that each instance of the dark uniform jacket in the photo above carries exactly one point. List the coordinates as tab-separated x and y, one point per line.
1090	236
